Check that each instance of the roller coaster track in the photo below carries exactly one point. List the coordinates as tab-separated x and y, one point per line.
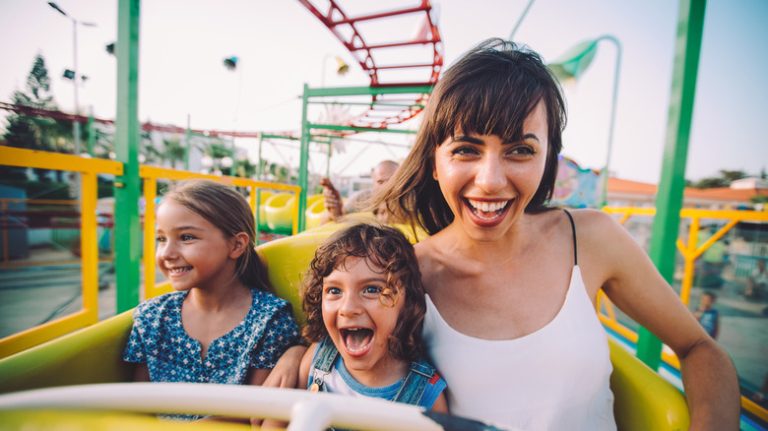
427	65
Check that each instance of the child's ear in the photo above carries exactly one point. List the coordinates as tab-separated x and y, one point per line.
240	242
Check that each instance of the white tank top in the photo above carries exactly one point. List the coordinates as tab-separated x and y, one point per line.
555	378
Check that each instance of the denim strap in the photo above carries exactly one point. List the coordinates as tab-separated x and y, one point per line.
323	362
415	383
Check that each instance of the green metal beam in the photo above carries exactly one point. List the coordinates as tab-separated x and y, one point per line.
365	91
304	159
358	129
271	136
393	105
91	134
670	196
127	226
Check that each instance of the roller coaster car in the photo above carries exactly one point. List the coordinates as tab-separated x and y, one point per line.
643	400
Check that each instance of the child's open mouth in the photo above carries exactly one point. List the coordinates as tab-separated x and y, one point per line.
357	341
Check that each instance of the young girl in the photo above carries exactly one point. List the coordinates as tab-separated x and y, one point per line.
221	325
365	306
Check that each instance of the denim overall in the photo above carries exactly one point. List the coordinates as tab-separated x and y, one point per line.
411	391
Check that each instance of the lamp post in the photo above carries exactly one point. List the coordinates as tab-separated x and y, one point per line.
572	65
231	63
341	67
75	74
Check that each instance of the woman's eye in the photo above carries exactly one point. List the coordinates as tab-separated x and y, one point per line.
522	151
160	239
186	237
464	151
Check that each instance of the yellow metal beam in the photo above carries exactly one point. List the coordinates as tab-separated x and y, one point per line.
20	157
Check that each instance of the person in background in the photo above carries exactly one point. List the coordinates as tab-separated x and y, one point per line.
360	201
708	317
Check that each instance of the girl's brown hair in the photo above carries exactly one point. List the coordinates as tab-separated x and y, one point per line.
226	209
489	91
384	248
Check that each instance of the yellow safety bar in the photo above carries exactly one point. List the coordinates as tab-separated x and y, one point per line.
690	252
88	169
151	174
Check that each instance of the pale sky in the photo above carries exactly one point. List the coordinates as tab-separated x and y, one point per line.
281	46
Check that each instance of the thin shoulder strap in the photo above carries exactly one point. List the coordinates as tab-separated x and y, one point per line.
573	231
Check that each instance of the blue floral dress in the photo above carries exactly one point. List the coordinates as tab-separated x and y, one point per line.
158	339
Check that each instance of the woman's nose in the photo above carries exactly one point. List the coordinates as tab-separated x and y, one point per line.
490	176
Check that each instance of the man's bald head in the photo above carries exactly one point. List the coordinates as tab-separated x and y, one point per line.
382	172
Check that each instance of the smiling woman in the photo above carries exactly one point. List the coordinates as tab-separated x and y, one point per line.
511	283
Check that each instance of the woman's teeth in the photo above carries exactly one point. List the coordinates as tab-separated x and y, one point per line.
487	207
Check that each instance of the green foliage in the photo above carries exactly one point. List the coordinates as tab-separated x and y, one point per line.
724	180
32	132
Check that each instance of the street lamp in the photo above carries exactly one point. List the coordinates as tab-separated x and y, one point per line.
74	74
341	67
231	63
572	65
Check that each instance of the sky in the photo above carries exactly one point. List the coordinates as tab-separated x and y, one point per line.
281	46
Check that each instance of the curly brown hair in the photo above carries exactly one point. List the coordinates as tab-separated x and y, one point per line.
385	248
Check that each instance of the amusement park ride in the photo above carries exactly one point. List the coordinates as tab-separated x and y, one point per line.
53	356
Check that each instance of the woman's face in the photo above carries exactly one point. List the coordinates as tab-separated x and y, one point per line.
487	182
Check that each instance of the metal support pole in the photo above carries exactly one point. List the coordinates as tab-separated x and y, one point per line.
614	100
187	144
669	199
127	223
91	133
304	159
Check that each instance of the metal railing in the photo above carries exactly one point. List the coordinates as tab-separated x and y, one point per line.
88	170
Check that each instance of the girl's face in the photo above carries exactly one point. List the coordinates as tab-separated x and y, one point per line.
487	182
357	318
192	252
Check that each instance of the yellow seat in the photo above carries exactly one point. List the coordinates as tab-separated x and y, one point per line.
643	399
278	210
263	196
315	214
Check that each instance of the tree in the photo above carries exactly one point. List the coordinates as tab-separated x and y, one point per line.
33	132
724	180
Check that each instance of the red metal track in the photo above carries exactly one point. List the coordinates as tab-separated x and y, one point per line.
147	127
346	30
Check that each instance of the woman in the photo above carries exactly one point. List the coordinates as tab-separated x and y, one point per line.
511	284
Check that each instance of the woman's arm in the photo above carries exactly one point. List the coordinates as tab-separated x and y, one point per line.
614	261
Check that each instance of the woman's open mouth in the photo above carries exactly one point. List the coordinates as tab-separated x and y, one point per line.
488	213
357	341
